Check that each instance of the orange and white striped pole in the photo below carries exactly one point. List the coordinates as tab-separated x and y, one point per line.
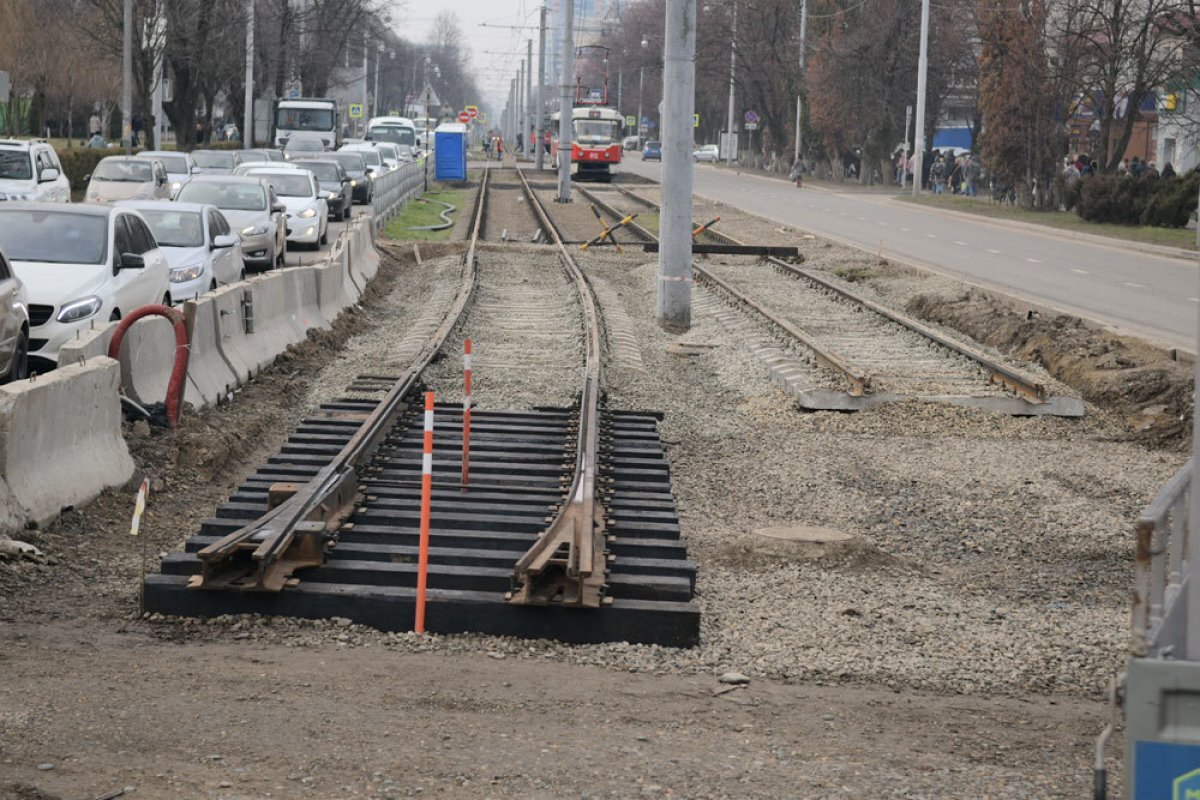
426	500
466	425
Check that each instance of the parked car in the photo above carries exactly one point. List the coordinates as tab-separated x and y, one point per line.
252	209
708	152
302	147
29	170
79	263
652	151
14	325
361	174
217	162
201	248
334	183
127	178
180	166
307	208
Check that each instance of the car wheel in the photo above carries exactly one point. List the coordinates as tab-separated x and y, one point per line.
166	301
19	369
212	287
242	277
324	237
115	315
346	212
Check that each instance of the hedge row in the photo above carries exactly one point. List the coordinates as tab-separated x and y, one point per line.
1120	199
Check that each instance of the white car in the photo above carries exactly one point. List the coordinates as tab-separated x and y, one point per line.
307	209
180	166
14	325
252	209
81	264
29	170
709	152
390	156
246	168
201	248
369	153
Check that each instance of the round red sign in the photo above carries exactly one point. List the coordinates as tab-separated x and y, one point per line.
464	116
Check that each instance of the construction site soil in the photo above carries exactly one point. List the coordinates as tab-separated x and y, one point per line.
958	644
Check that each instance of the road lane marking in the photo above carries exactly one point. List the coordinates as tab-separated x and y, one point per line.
931	235
964	244
1034	260
1194	299
1080	271
906	230
1135	285
861	219
993	252
881	224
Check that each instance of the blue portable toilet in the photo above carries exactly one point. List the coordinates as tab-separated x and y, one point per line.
450	152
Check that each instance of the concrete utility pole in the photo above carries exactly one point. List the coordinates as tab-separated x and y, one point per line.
365	78
539	110
248	114
674	309
566	102
803	75
732	81
159	47
127	79
528	96
641	90
922	71
1192	641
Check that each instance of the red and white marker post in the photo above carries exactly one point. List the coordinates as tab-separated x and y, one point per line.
466	425
426	500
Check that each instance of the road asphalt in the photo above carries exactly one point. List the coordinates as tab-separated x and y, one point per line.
1153	296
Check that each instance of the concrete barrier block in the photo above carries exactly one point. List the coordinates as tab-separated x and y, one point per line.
87	344
244	355
210	374
60	440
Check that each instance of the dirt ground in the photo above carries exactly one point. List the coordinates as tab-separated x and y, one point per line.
96	700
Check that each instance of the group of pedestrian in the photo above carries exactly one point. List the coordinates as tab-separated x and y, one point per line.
1137	168
493	144
953	174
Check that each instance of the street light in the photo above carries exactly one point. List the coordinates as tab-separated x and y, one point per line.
428	89
375	97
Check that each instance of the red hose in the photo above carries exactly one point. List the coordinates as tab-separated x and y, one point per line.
179	371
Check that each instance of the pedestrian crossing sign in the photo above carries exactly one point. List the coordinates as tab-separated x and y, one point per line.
695	120
356	110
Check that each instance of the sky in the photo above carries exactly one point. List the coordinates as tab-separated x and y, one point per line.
494	48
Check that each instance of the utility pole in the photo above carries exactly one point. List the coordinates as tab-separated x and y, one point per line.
248	115
803	75
539	111
641	90
375	91
566	101
674	310
127	79
732	77
922	71
159	42
366	76
528	96
904	168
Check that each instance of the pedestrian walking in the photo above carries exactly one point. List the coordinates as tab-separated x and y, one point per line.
937	175
499	148
797	173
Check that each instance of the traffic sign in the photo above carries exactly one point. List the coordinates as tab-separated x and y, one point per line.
751	126
751	118
473	111
356	110
630	121
695	120
464	117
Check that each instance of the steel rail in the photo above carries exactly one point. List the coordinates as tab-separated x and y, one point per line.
858	378
1015	381
303	519
568	564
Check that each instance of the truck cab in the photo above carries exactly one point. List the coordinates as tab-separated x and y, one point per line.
309	117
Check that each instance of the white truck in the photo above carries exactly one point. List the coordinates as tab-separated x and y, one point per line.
310	117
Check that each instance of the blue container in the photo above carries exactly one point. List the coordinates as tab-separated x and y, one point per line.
450	152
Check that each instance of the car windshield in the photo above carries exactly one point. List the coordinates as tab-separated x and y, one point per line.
326	171
176	165
229	196
295	185
304	119
15	165
53	237
124	171
370	157
174	228
388	152
652	145
251	155
213	160
395	134
351	162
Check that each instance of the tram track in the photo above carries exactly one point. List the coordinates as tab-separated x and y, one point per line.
557	497
874	353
